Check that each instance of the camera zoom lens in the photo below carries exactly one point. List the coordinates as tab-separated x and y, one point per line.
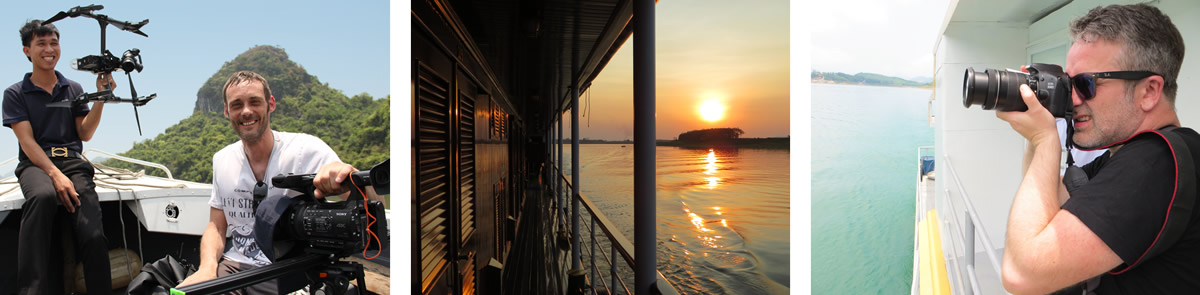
993	89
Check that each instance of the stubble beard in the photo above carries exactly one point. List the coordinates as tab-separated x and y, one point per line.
1105	132
252	136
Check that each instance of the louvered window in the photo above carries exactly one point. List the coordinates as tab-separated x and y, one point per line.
433	175
466	168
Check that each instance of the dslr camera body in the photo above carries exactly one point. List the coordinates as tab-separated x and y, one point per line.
999	90
130	61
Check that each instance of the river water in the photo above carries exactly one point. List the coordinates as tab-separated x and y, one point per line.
864	161
722	214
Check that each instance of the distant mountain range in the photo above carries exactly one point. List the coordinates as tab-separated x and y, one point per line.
867	79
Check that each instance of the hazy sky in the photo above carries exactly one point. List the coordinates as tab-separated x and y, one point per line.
343	45
890	37
731	51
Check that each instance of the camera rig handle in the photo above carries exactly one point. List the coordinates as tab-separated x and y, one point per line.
131	60
378	177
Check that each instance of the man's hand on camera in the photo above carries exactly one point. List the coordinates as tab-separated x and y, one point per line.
1035	124
105	82
329	179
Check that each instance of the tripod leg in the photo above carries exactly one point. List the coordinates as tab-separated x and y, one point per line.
362	284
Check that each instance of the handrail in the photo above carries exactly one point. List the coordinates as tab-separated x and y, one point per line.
9	161
132	160
989	248
917	206
619	244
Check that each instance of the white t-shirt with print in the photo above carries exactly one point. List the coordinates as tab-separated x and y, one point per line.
233	185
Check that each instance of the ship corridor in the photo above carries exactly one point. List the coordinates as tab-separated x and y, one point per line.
491	81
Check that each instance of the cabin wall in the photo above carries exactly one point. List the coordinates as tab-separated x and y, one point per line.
463	199
984	151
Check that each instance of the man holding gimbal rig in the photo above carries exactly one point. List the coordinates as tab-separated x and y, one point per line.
244	169
51	171
1097	233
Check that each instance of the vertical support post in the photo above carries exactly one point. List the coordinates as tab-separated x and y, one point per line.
969	239
575	237
562	207
592	255
644	194
612	266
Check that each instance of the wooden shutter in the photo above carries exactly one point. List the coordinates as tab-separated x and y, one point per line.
433	174
466	172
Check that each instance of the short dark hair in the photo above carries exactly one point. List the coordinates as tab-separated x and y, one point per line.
1148	39
242	77
35	28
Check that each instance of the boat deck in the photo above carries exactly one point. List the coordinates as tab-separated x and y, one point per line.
953	223
537	264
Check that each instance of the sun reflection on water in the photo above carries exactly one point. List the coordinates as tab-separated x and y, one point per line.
708	237
711	169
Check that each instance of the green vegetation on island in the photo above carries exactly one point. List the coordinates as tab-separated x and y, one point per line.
355	127
865	79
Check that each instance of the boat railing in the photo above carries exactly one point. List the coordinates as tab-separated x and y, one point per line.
8	162
919	207
971	225
619	246
131	160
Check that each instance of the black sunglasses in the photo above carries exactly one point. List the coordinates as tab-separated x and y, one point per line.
1085	83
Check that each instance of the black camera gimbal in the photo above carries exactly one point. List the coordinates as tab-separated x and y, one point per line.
106	62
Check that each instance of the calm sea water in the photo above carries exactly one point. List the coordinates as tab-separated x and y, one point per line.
722	214
864	145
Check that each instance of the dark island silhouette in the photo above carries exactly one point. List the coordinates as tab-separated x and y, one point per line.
724	138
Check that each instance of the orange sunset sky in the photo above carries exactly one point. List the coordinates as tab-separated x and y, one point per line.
731	52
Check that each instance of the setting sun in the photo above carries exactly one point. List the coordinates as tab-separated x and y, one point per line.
712	110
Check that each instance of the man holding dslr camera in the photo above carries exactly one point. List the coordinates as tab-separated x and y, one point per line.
1123	64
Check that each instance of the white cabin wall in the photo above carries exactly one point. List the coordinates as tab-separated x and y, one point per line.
985	152
1186	16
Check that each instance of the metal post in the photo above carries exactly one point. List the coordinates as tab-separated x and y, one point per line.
575	255
592	256
612	266
562	207
969	239
644	243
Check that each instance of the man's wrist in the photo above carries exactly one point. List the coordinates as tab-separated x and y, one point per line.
53	172
1044	141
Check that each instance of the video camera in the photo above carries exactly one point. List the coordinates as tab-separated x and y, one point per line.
338	228
327	231
106	62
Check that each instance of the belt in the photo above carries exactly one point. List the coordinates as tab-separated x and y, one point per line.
61	152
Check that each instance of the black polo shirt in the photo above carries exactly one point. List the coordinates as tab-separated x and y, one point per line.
52	126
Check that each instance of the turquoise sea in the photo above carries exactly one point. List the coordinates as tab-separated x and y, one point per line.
864	157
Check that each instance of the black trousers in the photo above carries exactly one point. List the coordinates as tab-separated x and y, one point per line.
34	255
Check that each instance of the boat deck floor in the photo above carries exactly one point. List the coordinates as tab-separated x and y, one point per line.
536	264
